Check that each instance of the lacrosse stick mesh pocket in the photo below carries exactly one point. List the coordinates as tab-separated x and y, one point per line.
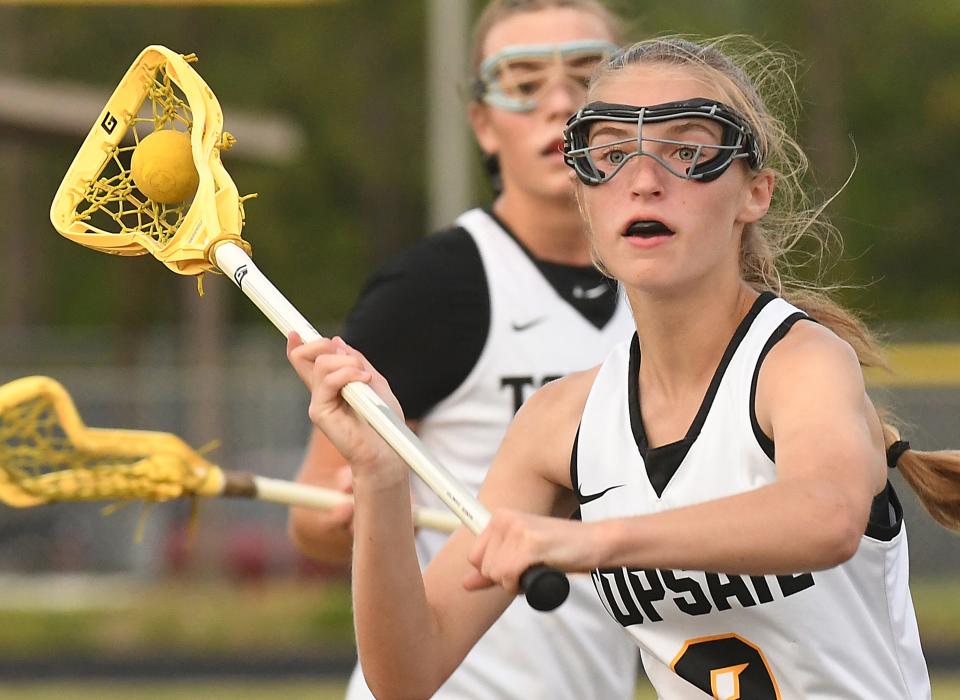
47	455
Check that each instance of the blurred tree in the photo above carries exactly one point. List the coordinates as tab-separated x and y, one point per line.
352	73
19	256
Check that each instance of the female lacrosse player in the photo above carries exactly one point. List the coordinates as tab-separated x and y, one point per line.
732	434
469	322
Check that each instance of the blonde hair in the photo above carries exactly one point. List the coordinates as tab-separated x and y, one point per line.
759	82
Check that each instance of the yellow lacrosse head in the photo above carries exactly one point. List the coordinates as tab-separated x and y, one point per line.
48	455
99	204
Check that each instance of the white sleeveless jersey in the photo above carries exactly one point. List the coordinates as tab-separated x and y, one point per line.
576	652
845	633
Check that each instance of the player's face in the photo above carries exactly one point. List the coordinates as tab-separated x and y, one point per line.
528	143
659	232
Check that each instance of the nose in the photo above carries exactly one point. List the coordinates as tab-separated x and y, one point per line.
561	99
645	176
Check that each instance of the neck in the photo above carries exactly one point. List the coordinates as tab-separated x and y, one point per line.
550	228
683	337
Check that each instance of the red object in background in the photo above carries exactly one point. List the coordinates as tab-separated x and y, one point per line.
247	555
311	570
176	550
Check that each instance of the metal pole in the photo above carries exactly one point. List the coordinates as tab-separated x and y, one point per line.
19	301
448	138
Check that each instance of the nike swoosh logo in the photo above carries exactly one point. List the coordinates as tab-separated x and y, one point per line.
529	324
594	496
592	293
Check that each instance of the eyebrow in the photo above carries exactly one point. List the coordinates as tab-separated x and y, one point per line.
529	64
613	131
583	60
672	130
691	125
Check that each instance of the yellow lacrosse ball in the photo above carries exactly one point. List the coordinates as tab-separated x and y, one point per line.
162	167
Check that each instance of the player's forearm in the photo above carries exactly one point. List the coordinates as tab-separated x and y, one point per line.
315	538
396	632
324	536
784	528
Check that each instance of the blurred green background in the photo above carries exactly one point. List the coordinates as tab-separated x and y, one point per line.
350	75
345	88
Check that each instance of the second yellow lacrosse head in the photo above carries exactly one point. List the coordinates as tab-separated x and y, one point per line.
48	455
102	205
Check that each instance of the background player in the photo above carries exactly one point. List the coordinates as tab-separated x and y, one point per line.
740	440
473	319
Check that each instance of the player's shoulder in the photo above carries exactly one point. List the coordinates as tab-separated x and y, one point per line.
558	403
543	430
812	342
441	267
811	357
448	252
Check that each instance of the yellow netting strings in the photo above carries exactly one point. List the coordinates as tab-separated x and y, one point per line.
40	464
111	203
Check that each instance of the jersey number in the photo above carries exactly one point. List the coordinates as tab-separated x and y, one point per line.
726	667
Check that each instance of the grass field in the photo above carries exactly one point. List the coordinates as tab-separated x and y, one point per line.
286	617
944	688
280	616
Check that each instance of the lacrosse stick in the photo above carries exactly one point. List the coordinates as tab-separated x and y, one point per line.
103	203
48	455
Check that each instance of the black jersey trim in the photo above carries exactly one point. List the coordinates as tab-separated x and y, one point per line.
662	462
563	279
886	515
574	478
766	444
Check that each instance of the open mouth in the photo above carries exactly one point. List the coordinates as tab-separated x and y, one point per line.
647	229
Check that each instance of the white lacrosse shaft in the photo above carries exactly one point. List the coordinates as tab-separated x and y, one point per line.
234	261
545	588
293	494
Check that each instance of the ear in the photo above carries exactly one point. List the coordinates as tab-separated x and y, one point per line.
479	116
757	198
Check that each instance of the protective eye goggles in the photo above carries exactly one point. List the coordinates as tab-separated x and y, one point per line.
518	77
694	139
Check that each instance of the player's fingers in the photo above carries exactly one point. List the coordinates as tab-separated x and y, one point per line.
333	372
325	398
478	549
302	355
475	581
308	351
326	365
341	347
300	361
490	557
377	381
509	549
478	578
